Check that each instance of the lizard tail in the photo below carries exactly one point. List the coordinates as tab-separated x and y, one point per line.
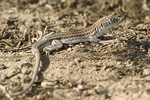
37	63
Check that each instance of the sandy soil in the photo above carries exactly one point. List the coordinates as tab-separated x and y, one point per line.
119	70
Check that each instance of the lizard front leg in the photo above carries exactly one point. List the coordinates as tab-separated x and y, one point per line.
56	44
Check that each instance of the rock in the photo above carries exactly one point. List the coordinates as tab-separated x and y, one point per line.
146	71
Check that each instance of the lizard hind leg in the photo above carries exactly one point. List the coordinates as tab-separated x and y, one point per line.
56	44
42	34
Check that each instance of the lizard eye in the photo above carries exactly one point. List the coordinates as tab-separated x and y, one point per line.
109	22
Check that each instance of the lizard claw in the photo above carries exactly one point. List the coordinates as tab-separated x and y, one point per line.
47	52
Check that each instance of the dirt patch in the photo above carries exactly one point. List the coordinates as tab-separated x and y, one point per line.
118	70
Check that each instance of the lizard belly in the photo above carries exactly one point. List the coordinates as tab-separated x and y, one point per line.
75	40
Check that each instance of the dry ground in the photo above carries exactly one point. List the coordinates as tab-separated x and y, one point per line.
119	70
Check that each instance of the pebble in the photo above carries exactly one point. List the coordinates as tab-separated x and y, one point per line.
146	71
2	66
27	80
72	63
86	93
101	91
77	60
147	18
47	84
69	49
49	6
3	76
80	87
148	91
81	66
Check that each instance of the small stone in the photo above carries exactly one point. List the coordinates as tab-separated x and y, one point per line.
86	93
81	66
47	84
69	49
80	87
27	72
3	76
147	18
80	81
72	63
49	6
148	91
78	45
26	64
77	60
100	91
146	71
27	80
17	59
2	66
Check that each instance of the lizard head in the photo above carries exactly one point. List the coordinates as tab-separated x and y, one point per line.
106	23
110	21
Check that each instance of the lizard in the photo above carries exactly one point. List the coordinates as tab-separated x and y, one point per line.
53	41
